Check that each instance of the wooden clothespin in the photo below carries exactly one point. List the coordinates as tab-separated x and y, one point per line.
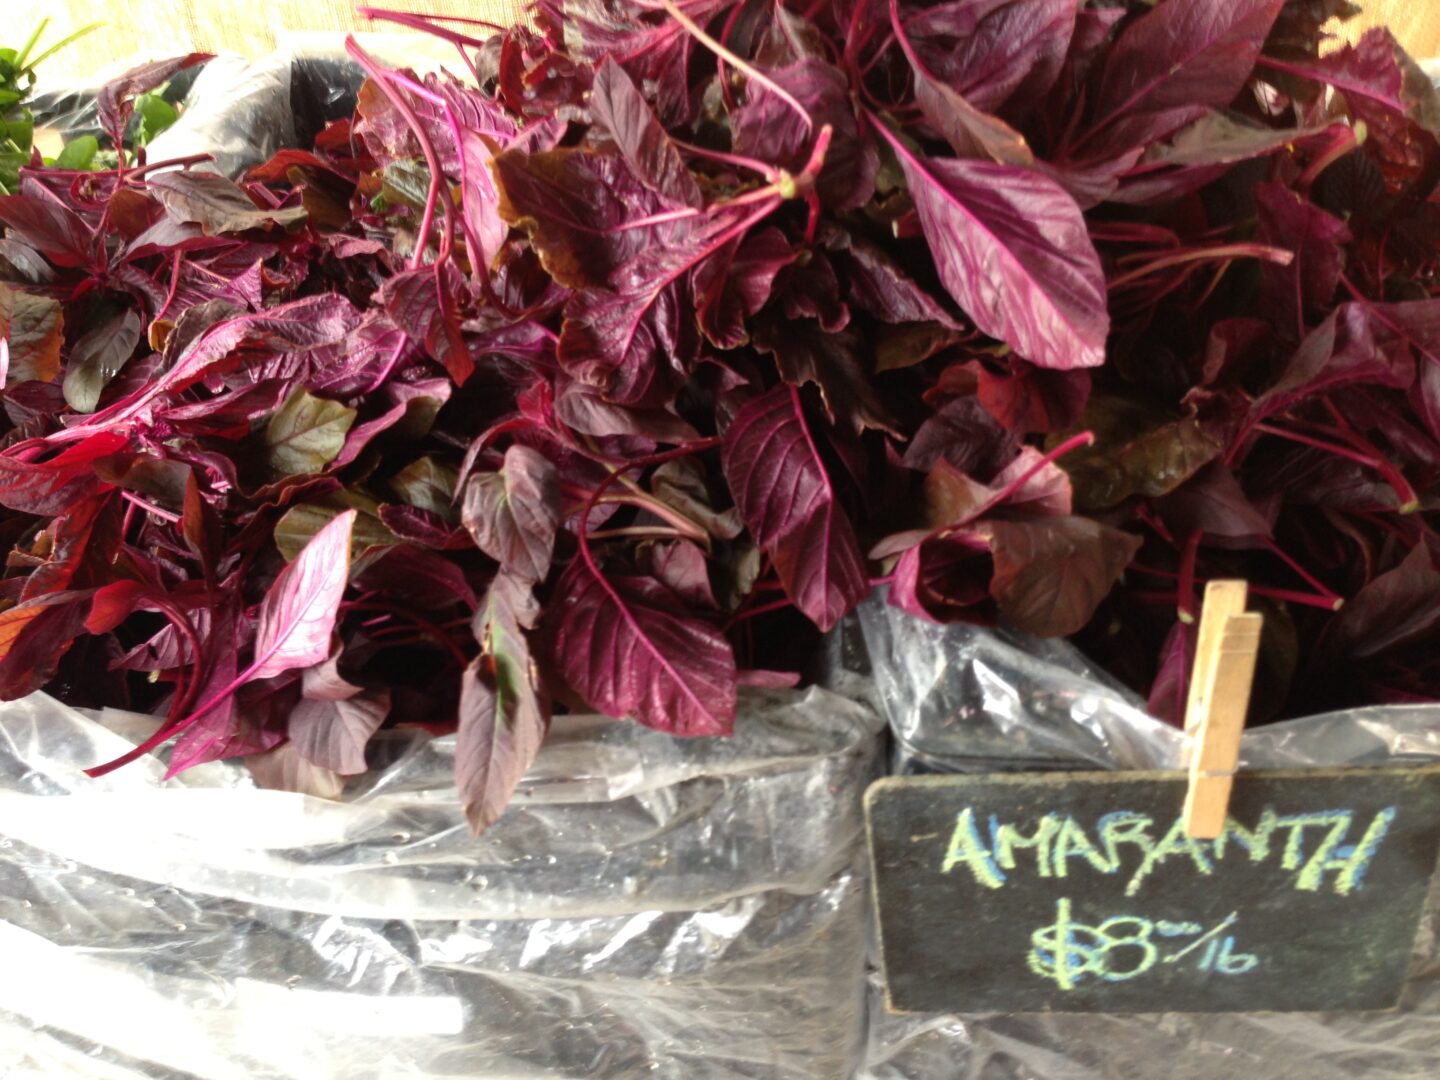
1220	684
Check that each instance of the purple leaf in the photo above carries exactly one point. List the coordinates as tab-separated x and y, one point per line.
1051	573
1351	346
1213	502
423	303
1426	395
226	732
51	228
215	732
1317	239
423	527
804	353
54	486
1169	693
634	337
586	410
116	100
1012	248
32	329
34	637
992	50
945	580
323	682
299	609
786	498
1171	64
630	649
573	204
513	514
969	129
332	733
97	358
622	111
1396	608
427	579
879	285
681	567
503	711
734	283
1030	399
1385	90
216	204
294	329
766	127
966	435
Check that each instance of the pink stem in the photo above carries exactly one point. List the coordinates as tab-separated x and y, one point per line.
149	507
1276	255
739	161
762	609
1084	438
752	73
422	22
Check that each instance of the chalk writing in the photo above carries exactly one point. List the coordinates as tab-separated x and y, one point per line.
1316	849
1124	947
1080	892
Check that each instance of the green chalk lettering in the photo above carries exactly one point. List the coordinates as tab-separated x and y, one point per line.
966	847
1351	862
1175	843
1256	841
1313	875
1125	827
1294	856
1007	838
1072	842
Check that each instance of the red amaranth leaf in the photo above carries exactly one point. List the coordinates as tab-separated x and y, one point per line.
574	205
32	329
332	733
1318	240
994	50
216	204
514	513
116	101
1012	248
53	486
49	226
34	637
423	303
622	111
785	495
1052	573
504	713
298	612
1171	64
768	128
629	647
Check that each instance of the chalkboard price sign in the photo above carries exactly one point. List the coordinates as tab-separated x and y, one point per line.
1080	892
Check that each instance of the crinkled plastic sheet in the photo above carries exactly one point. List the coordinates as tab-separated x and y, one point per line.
648	907
966	699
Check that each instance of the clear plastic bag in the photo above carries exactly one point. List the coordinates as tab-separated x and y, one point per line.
966	699
649	906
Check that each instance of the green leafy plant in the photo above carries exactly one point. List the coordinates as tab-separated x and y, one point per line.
17	125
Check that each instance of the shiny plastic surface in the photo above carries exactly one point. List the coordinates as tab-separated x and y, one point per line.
964	699
649	907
